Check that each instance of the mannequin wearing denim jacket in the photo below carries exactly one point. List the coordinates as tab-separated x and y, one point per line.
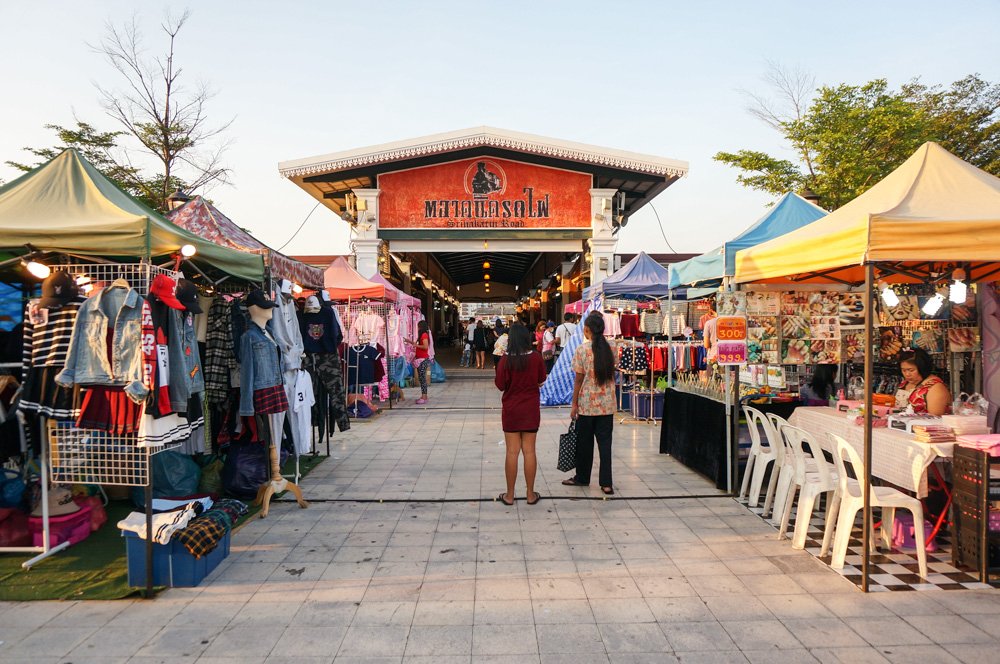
118	308
260	366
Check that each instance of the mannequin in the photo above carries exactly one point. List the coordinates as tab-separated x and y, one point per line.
261	311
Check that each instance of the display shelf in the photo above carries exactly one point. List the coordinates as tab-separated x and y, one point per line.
975	546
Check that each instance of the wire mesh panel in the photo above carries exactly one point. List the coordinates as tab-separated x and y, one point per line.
94	276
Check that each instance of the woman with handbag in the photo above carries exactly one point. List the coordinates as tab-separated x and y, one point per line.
593	405
519	375
549	346
421	358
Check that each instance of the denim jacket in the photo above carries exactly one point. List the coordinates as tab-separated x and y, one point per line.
260	366
186	376
87	362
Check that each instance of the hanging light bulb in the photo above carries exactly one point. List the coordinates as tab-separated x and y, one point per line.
888	295
486	277
296	288
37	269
486	265
958	291
188	250
486	244
933	305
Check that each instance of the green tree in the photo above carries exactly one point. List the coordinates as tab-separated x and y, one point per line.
848	137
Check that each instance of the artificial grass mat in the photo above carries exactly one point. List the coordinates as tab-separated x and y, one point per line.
95	568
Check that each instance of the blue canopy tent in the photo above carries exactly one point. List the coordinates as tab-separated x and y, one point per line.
708	270
640	277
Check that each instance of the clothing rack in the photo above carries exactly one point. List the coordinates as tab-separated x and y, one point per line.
349	315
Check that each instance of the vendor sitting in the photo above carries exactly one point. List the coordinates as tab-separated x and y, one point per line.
928	393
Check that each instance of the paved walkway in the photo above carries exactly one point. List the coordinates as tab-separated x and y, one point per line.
669	571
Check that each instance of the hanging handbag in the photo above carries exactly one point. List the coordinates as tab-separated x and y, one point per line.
567	449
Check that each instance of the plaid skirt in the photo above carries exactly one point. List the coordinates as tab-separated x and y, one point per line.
109	409
270	400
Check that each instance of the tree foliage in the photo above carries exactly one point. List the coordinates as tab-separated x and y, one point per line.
165	141
848	137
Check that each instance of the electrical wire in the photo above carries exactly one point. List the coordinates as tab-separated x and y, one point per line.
662	232
299	229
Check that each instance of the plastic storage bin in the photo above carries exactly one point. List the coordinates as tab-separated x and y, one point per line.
73	527
173	565
624	398
640	405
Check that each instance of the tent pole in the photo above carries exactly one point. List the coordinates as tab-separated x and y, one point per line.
670	336
866	481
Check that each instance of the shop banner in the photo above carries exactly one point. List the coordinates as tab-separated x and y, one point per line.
732	334
484	193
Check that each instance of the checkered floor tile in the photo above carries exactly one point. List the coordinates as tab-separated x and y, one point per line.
893	571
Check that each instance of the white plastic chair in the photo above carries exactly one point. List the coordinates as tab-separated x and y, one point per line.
850	500
761	456
787	470
811	480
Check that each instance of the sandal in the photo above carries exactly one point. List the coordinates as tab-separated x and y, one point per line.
608	490
572	482
538	497
500	498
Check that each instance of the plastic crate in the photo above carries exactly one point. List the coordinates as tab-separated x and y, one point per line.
640	405
173	565
73	528
623	398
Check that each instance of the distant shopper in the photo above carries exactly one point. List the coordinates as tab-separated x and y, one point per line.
539	335
593	405
479	344
549	346
519	375
500	346
564	332
421	358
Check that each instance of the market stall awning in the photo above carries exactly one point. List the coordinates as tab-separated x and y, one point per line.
204	220
343	282
640	277
68	206
934	208
788	214
394	293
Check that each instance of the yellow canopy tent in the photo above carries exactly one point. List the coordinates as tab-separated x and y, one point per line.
933	209
68	206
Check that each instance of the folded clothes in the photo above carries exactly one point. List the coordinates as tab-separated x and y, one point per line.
204	533
164	525
169	504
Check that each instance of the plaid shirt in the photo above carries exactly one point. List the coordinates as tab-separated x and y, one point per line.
203	534
220	356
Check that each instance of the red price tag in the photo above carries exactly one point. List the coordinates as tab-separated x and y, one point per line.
731	328
732	352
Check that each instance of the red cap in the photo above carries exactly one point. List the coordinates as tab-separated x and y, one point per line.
165	290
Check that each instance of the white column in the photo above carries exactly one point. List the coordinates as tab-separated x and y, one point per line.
602	242
366	242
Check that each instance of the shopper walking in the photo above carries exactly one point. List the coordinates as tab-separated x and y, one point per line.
500	345
549	346
564	332
539	335
421	358
519	375
593	405
479	344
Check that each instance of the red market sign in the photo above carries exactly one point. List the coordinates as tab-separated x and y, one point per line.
484	193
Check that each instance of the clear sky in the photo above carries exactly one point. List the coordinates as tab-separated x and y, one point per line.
664	78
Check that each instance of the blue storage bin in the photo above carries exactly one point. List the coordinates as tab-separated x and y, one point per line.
640	405
625	399
173	565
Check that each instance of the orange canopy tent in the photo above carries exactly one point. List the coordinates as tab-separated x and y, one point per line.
343	282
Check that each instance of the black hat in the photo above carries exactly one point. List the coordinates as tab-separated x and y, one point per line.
257	298
187	293
59	288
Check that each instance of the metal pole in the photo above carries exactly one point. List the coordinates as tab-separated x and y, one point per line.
866	481
670	337
729	429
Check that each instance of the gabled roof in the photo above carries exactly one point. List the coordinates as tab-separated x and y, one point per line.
642	276
68	206
205	220
934	208
482	137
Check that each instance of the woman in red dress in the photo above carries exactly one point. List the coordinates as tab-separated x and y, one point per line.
519	375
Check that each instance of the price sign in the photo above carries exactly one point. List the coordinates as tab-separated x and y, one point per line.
731	328
732	352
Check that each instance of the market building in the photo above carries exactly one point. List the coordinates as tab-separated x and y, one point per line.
486	214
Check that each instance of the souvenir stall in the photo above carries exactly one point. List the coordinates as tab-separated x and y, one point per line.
102	255
925	235
285	276
363	309
699	394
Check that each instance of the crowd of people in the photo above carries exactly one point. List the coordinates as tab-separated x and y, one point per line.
482	340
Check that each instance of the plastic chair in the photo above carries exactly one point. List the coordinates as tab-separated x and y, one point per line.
810	484
787	470
850	500
761	456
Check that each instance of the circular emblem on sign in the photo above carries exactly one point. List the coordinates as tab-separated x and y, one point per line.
484	177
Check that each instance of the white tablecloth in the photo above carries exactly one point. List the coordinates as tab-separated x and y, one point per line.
896	456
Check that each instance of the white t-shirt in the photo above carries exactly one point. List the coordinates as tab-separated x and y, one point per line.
302	402
564	332
470	332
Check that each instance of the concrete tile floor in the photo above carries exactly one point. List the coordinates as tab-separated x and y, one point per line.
688	576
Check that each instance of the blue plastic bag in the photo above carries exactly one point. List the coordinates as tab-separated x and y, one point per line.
437	373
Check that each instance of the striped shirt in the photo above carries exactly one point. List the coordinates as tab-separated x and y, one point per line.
47	333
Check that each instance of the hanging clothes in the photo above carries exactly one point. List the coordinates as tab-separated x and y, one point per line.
367	327
220	352
651	322
327	369
47	334
612	325
629	322
361	361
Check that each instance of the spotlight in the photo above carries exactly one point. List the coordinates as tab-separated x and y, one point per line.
933	305
958	291
188	250
37	269
296	288
888	295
